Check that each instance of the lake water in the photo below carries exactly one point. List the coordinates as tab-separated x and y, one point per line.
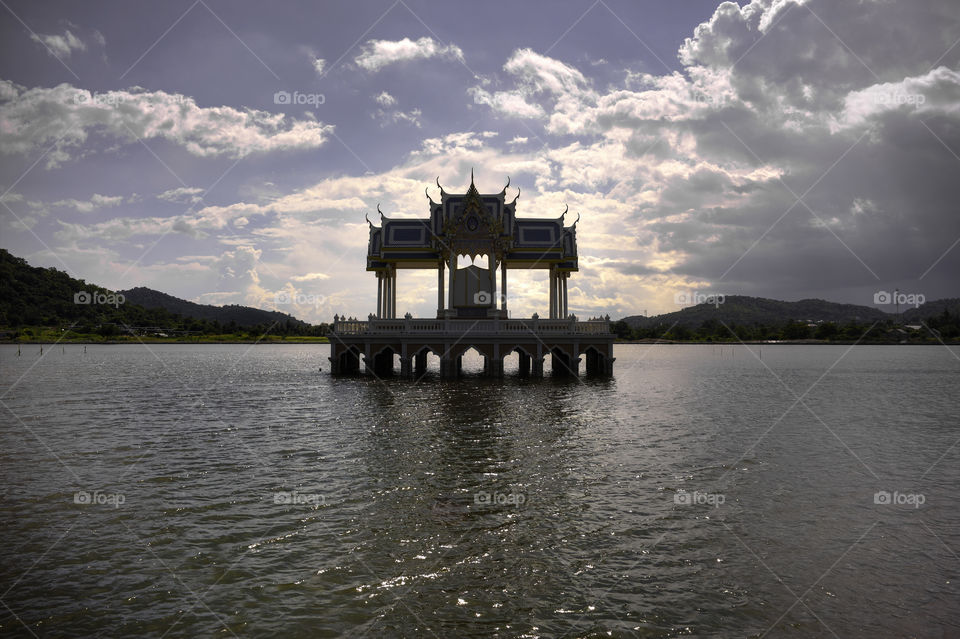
235	490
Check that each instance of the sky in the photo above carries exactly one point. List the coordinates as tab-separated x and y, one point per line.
228	152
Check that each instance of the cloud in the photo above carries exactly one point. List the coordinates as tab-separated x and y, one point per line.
544	86
184	194
384	99
686	180
386	115
377	54
319	64
96	201
771	104
309	277
933	93
64	116
509	103
62	45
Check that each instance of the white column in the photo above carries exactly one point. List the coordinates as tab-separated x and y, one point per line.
566	311
503	286
393	294
388	284
440	288
553	294
379	294
453	270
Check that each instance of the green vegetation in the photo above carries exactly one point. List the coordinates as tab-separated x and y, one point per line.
943	327
45	304
759	319
40	334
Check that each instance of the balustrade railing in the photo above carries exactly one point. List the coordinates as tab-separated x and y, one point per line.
375	326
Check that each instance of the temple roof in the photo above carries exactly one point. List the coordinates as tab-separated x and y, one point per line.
472	224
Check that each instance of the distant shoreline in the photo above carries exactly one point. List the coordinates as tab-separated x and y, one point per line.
795	342
134	342
325	341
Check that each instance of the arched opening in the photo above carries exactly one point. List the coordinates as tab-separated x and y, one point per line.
480	261
426	363
470	362
518	362
511	363
595	361
349	361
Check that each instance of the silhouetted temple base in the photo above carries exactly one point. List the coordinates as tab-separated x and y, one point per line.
379	342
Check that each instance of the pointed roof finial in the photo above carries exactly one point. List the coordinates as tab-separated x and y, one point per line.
577	220
378	210
426	190
442	193
504	191
471	177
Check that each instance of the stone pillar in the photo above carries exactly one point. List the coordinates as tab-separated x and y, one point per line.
495	365
524	364
453	270
386	295
440	289
334	360
538	366
379	294
553	293
564	281
608	365
393	290
405	363
447	364
503	287
420	364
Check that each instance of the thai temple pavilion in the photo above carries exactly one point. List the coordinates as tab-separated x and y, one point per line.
471	309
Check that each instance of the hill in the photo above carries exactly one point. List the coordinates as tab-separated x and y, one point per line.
35	296
240	315
744	310
32	296
934	308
